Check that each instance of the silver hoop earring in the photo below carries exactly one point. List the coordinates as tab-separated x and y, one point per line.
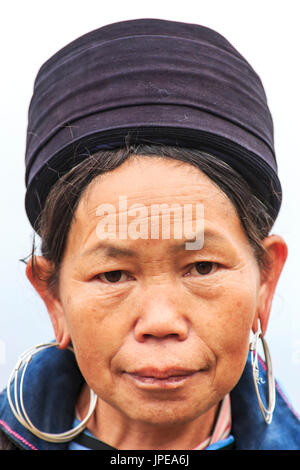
19	409
267	413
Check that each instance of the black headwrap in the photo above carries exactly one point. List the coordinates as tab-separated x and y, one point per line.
142	81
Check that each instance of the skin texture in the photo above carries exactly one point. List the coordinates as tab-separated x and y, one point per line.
163	313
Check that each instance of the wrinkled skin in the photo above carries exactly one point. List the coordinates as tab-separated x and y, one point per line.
159	312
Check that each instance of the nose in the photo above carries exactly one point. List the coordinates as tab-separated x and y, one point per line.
160	317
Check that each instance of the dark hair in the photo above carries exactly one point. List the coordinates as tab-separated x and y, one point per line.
55	219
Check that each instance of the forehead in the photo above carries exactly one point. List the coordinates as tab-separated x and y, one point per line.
149	181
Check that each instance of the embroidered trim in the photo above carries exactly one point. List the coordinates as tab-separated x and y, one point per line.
17	436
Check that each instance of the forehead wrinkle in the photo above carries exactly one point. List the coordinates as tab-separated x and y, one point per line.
85	214
114	250
211	238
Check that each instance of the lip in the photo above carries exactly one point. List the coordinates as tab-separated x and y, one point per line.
163	373
169	378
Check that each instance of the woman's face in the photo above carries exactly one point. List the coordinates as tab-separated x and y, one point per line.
160	332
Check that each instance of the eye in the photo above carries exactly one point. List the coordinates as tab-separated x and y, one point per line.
203	268
111	277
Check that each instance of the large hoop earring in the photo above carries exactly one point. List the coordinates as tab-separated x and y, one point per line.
19	409
267	413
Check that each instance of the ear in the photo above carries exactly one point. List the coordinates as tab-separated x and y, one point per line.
38	275
277	250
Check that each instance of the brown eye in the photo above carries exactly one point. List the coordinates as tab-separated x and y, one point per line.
204	267
113	276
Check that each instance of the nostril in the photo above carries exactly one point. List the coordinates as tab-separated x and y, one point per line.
162	336
152	324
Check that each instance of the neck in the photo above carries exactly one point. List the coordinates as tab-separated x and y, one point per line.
120	432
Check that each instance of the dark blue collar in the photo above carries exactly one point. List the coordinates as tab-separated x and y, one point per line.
53	381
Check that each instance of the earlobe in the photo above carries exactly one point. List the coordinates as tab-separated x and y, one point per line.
277	251
38	275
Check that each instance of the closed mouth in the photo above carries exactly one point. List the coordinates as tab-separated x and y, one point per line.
162	374
161	378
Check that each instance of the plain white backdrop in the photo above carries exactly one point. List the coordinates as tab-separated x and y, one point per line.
266	32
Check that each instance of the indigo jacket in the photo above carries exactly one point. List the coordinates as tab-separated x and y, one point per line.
53	381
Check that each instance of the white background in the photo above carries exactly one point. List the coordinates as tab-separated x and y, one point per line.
266	32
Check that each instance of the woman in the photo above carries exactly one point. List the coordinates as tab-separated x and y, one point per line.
152	182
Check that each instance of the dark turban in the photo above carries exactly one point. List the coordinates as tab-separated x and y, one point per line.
149	81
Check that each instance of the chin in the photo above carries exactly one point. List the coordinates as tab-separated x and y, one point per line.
166	413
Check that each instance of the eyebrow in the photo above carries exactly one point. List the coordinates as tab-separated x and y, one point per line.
112	250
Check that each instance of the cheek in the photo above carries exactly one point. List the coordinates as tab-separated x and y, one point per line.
95	334
226	306
97	331
229	335
231	302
